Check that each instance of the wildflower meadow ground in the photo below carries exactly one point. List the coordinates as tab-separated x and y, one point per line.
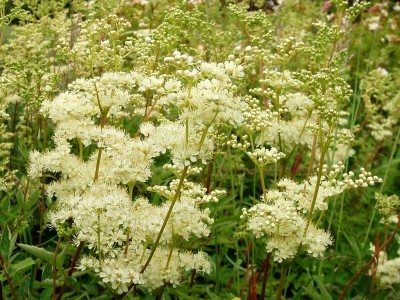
199	149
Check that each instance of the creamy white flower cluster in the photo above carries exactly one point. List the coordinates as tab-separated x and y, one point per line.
282	221
205	95
191	190
184	142
122	270
283	216
91	201
388	270
282	90
263	156
301	105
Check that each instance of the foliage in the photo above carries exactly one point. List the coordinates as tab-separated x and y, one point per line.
199	149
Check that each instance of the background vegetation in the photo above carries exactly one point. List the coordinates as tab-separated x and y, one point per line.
46	45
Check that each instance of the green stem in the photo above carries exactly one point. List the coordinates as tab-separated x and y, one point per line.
171	249
382	185
282	280
261	171
267	264
187	132
9	279
130	189
55	267
316	189
96	173
157	241
313	150
71	269
80	145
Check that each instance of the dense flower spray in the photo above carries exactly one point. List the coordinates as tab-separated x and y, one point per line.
90	194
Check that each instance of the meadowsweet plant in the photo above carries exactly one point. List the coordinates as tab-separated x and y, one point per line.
88	195
199	149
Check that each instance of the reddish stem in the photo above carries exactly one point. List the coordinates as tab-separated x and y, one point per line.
373	260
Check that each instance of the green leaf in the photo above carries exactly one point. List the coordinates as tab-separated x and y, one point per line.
184	296
353	244
211	295
236	265
47	283
311	292
26	263
46	294
12	244
324	292
41	253
61	256
5	242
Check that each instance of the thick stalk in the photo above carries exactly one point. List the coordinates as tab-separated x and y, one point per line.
71	269
80	145
103	120
261	171
313	150
102	124
187	132
267	264
315	195
127	242
9	280
13	128
171	249
157	241
281	283
42	209
55	268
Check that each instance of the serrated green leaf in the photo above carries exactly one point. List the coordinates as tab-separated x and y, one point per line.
41	253
47	283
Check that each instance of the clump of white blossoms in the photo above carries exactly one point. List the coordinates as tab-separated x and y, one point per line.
300	112
284	214
296	116
98	163
388	270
